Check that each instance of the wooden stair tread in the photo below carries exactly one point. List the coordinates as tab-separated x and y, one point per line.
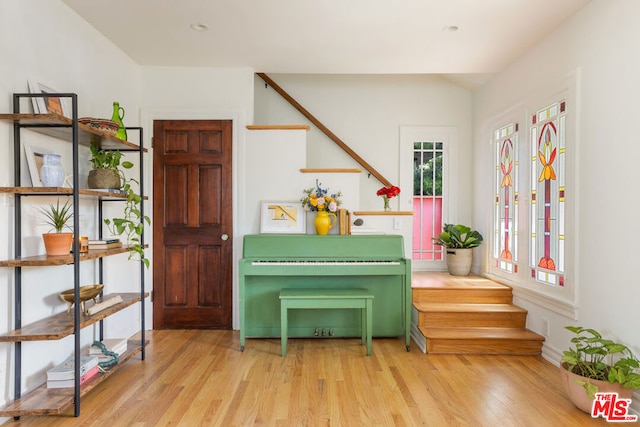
481	333
467	308
438	280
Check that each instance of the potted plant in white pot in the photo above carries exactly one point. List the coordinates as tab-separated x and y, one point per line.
58	242
596	364
459	240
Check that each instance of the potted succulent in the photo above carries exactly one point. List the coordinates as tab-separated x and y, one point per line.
58	242
596	364
459	240
105	172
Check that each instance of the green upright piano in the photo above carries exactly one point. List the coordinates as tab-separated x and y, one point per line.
272	262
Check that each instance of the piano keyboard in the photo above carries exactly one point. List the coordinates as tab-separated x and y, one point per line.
322	263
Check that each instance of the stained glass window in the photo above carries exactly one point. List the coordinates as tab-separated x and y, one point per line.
505	242
547	182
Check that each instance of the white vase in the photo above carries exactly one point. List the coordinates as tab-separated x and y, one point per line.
459	261
51	173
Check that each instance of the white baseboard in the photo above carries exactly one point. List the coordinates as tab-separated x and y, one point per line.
416	335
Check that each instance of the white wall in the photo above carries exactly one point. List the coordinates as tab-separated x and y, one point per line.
45	40
600	44
366	112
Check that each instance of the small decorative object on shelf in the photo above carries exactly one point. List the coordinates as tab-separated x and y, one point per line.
86	293
387	193
318	199
51	173
103	125
118	115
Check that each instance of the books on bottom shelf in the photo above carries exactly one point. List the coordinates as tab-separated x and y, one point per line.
105	244
71	383
115	345
63	375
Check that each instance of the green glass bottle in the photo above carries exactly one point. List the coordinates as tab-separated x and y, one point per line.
118	115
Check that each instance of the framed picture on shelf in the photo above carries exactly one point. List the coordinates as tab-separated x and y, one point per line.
50	104
283	217
34	156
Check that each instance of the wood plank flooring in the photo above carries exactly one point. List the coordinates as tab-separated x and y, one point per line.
200	378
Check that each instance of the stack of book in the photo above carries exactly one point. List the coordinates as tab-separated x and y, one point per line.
63	375
115	345
104	244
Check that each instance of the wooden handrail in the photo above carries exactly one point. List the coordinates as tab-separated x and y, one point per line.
325	130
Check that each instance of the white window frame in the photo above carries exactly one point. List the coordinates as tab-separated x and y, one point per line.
559	299
448	135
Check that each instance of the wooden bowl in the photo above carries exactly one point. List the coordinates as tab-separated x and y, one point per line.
86	293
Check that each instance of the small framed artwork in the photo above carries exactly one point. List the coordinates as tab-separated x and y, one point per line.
282	217
34	156
50	104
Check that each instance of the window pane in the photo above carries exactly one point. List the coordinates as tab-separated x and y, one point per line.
427	201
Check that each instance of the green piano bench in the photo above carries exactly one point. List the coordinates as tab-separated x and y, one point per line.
327	298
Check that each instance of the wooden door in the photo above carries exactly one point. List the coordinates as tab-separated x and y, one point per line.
192	227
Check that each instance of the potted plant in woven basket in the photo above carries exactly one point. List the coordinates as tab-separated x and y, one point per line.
106	173
458	241
596	364
58	242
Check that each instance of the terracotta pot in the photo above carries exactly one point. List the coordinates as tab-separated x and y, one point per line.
459	261
578	395
104	178
57	243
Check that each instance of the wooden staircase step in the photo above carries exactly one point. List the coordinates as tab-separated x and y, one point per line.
482	340
467	314
464	294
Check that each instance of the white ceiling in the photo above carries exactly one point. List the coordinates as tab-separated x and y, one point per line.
329	36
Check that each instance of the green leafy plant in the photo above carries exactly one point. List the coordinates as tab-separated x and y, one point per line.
107	159
57	216
597	358
131	224
458	237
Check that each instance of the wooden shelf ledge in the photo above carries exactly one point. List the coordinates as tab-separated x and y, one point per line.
65	191
58	126
278	127
331	170
383	213
44	260
54	401
60	325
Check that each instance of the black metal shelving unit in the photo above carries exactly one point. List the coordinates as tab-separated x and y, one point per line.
40	401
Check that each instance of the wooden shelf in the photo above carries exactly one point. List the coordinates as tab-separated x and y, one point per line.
278	127
331	170
60	127
64	191
383	213
44	260
60	325
54	401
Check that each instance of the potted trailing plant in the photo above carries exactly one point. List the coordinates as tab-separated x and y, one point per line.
459	240
131	224
596	364
105	172
58	242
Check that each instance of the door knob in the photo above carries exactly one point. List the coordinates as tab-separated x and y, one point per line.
224	237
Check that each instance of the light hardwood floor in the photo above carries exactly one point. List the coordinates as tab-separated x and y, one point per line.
200	378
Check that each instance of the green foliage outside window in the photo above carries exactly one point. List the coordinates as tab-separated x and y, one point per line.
427	169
